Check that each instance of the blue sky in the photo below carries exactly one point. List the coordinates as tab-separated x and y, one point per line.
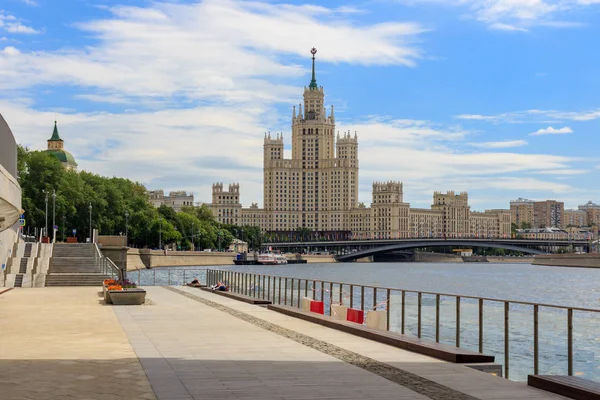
495	97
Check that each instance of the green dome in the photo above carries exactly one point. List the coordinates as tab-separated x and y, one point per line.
63	156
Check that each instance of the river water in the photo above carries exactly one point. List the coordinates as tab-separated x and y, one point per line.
574	287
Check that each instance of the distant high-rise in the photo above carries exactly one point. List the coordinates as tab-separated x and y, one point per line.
316	190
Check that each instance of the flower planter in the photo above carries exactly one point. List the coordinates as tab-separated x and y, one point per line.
129	297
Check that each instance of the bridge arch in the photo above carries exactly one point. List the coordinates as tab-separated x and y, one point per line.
433	243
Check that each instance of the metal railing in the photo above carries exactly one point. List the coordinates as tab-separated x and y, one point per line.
166	276
106	265
367	297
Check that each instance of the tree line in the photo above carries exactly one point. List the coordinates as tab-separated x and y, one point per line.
118	206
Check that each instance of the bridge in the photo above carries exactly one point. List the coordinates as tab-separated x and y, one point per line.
350	250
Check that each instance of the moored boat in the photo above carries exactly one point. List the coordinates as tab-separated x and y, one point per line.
271	259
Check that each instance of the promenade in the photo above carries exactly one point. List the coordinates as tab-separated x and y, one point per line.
62	343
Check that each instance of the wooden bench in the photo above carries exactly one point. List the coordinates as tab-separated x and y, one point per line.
237	296
568	386
426	347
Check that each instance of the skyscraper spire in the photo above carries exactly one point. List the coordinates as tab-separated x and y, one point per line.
313	82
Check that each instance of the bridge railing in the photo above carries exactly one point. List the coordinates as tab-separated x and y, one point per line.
478	323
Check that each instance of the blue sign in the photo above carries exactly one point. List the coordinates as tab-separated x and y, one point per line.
55	227
22	221
3	267
74	232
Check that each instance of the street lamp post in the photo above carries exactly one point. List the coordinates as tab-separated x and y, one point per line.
53	215
64	228
126	227
160	233
46	228
90	222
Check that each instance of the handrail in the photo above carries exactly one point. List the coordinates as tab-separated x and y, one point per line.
250	284
528	303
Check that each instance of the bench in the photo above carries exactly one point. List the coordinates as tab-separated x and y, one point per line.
568	386
425	347
237	296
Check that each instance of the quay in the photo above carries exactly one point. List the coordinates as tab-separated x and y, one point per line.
184	343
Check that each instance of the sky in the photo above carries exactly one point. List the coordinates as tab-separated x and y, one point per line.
499	98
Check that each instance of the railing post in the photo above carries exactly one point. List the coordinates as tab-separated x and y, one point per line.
330	296
299	295
314	290
403	310
322	291
419	302
306	288
387	309
341	294
184	280
269	289
362	297
437	318
154	271
285	292
292	294
536	349
481	325
570	340
274	293
506	338
279	292
351	296
264	280
458	321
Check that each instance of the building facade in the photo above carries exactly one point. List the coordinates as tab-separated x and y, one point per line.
521	212
10	193
548	214
592	213
316	190
575	218
56	147
176	200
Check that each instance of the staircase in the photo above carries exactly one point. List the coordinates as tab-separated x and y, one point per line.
23	266
74	265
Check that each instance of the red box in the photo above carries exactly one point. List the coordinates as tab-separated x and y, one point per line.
317	307
355	315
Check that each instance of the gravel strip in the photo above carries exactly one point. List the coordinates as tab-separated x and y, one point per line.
416	383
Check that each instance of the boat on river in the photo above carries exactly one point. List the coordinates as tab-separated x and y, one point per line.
271	259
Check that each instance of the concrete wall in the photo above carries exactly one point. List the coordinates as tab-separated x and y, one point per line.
112	241
144	258
437	257
314	258
7	244
568	260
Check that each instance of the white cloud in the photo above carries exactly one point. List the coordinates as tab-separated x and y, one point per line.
552	131
187	50
499	145
10	24
515	15
529	116
218	74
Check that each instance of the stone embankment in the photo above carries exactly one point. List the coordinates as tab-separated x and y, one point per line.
145	258
568	260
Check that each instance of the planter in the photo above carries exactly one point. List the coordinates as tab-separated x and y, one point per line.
127	297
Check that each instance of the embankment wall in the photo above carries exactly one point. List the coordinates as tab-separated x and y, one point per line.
568	260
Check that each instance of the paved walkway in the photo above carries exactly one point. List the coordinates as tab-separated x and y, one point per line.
62	344
197	345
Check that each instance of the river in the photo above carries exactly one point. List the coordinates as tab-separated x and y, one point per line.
574	287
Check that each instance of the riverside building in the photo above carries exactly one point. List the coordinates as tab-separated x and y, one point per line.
314	194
